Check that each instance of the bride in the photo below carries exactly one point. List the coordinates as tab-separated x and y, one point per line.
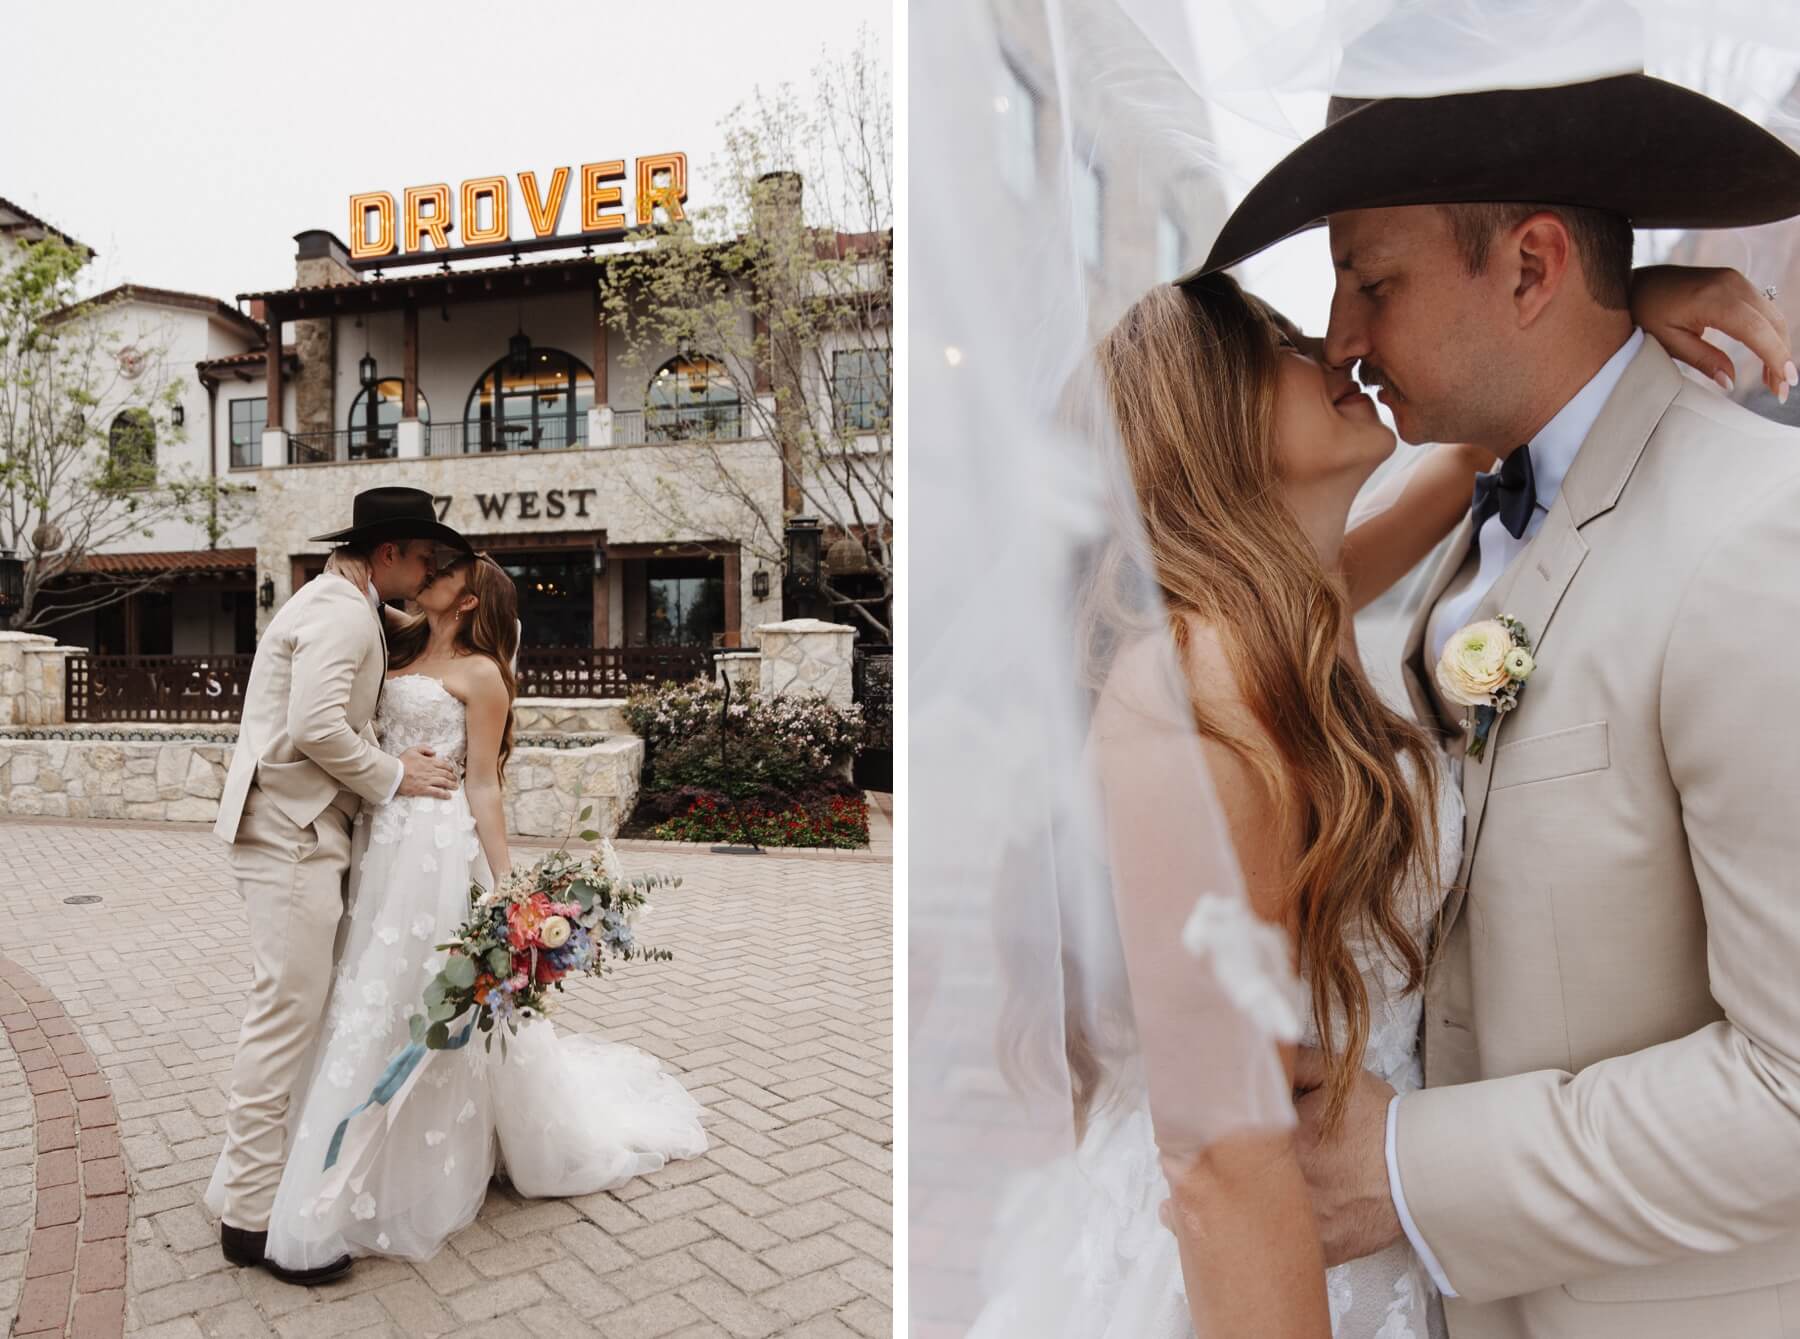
1245	452
567	1114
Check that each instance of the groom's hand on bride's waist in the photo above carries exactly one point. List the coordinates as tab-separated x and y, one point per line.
1346	1171
426	774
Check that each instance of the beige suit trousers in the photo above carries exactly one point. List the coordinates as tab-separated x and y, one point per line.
292	880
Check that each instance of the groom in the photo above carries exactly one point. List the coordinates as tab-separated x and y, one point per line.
306	757
1608	1143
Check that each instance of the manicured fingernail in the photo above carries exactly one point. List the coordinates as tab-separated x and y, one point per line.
1725	382
1782	394
1793	374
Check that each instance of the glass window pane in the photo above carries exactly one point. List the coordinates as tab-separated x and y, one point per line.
1087	212
1016	106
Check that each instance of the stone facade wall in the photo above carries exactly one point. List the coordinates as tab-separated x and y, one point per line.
45	684
12	673
743	669
77	773
632	490
806	655
570	715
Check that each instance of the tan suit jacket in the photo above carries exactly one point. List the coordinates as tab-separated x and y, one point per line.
306	733
1609	1140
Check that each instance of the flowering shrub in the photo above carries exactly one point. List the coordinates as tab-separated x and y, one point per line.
786	744
839	821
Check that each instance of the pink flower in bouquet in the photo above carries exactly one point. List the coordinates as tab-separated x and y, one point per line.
517	981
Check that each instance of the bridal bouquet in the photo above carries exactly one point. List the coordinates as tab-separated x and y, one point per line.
564	915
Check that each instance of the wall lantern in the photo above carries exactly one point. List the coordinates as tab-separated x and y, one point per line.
599	561
12	585
365	367
759	584
518	355
179	415
800	587
266	596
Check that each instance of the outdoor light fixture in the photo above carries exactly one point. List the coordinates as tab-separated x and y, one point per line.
518	355
599	561
266	596
365	366
800	587
12	585
759	584
179	415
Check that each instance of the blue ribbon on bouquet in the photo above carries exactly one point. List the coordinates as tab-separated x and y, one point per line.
405	1060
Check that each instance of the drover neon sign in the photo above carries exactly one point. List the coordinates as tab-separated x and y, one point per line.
430	214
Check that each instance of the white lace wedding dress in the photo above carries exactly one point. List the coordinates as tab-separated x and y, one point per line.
568	1114
1119	1277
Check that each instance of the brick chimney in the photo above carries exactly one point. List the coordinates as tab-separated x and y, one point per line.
320	260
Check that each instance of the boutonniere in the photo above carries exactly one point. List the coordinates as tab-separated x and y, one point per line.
1485	666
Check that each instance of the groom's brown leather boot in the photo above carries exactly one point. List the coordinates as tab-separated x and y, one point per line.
246	1249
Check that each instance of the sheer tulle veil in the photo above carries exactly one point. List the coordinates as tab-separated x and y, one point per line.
1079	940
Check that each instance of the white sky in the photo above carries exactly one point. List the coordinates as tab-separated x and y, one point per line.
187	141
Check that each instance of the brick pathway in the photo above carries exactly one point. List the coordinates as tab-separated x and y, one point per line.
777	1011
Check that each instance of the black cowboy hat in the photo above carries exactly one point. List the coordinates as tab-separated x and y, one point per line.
384	514
1661	155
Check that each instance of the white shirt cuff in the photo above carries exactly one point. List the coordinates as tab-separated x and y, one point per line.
401	776
1432	1267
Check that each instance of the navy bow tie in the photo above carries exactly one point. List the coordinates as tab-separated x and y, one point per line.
1510	491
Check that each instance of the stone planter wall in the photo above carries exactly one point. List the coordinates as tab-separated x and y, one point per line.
165	773
570	715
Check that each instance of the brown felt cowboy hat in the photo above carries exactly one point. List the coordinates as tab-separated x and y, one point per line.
1659	154
392	513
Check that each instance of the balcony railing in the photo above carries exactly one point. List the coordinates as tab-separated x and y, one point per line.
607	671
482	436
154	688
323	448
711	423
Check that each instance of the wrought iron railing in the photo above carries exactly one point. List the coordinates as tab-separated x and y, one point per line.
324	448
478	436
606	671
690	423
211	688
154	688
872	687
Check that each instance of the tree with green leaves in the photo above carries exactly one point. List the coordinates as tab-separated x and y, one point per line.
82	404
778	297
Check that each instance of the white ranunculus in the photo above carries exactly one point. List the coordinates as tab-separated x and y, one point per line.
1519	664
1473	666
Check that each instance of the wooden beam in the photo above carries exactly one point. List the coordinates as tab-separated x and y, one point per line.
409	399
272	379
600	387
733	604
602	599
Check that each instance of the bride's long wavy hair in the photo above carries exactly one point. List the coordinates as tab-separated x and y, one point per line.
1190	376
491	630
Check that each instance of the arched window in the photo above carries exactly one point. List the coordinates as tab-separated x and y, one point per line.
131	450
542	407
691	395
373	436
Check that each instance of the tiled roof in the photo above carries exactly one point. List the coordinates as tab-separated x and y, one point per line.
170	297
150	564
254	358
27	219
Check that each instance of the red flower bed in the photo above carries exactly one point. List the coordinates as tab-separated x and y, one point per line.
840	821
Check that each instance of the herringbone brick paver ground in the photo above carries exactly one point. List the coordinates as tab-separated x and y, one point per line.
776	1011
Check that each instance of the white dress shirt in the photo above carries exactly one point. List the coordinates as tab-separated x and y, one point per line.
1553	451
381	619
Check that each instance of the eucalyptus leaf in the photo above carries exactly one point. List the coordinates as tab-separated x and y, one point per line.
435	990
443	1011
460	973
419	1024
499	962
586	814
590	836
437	1037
